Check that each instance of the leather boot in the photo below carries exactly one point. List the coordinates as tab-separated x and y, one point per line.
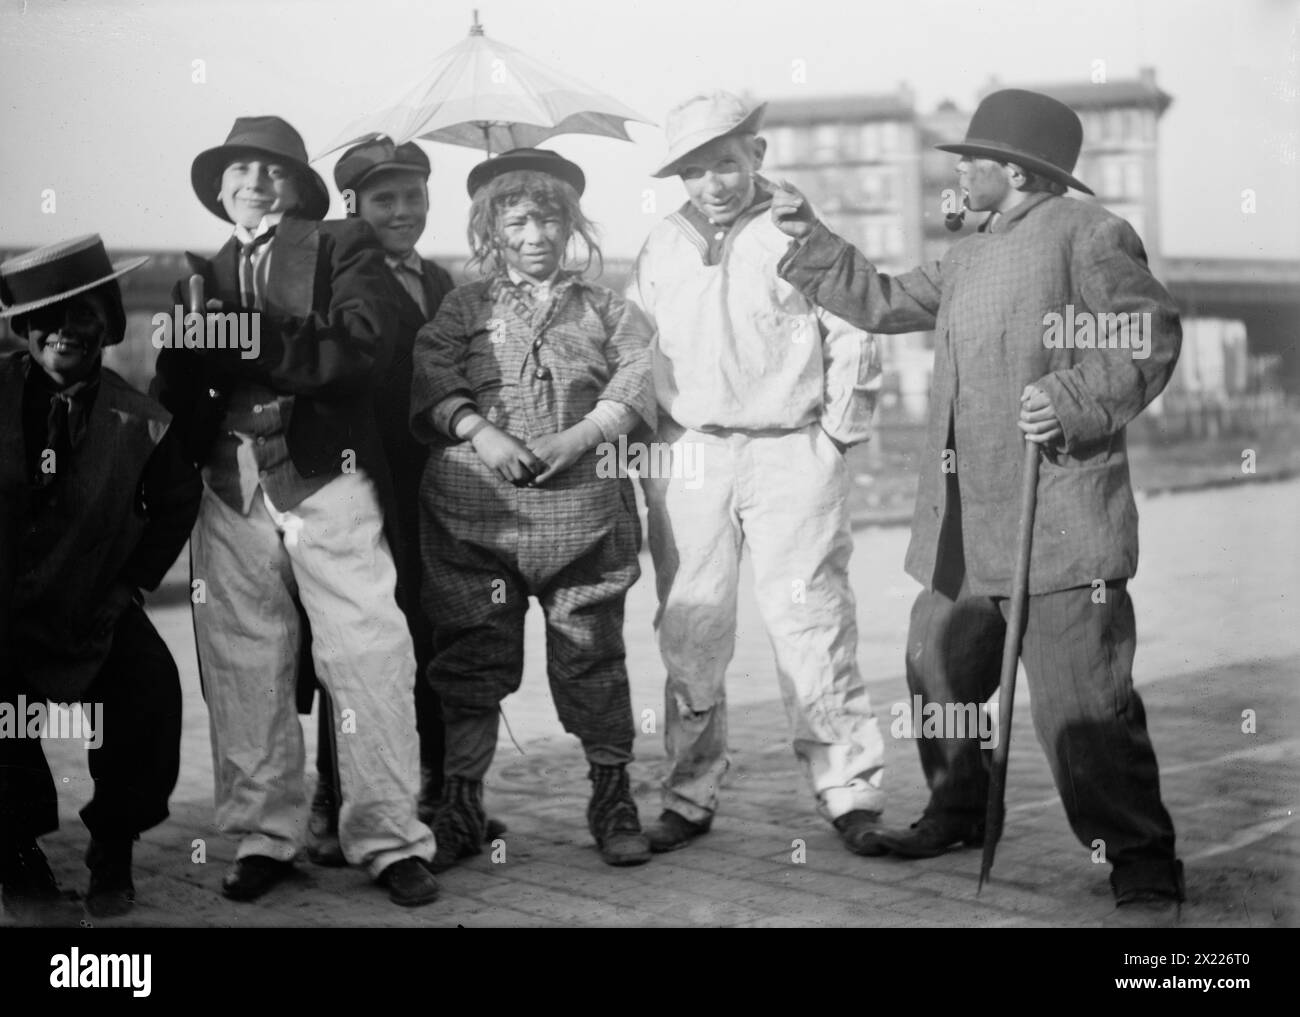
460	825
111	892
612	817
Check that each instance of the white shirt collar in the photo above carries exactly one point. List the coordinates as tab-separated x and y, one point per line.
246	236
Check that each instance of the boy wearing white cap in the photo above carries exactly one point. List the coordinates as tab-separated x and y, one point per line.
767	390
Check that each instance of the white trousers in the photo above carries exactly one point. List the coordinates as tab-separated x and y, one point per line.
784	494
329	552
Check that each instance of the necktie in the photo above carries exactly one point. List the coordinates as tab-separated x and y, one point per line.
65	424
247	269
410	275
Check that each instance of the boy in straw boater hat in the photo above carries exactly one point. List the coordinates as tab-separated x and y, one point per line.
96	501
518	380
767	389
990	301
291	521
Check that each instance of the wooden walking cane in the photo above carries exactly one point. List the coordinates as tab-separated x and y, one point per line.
996	810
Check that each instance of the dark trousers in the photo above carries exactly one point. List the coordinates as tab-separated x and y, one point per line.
1078	657
135	766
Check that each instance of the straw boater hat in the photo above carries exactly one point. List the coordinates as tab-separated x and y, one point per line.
51	274
271	138
540	160
1029	129
361	162
700	119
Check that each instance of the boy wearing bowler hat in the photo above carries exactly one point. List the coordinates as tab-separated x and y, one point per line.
386	186
990	301
290	523
96	500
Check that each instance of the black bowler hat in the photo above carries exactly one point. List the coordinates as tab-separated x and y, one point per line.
541	160
54	273
1029	129
360	162
271	138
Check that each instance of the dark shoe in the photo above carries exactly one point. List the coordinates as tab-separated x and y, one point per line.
111	893
612	817
933	835
252	875
460	826
860	831
409	883
323	846
29	885
1138	910
673	830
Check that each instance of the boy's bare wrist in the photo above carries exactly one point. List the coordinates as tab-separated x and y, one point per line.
588	432
469	425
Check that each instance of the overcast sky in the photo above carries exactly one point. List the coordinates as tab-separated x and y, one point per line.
98	102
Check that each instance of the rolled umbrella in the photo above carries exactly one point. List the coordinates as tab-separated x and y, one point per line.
996	809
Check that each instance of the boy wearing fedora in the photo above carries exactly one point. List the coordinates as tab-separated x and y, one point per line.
96	501
990	302
386	186
768	389
517	380
290	521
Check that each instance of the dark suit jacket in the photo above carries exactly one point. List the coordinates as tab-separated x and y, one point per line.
322	341
405	455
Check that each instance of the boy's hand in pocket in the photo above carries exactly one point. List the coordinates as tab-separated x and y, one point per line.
560	451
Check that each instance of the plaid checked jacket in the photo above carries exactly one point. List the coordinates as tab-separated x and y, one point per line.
988	302
531	370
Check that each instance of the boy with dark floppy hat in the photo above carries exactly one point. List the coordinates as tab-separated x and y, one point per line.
291	523
990	300
517	380
96	501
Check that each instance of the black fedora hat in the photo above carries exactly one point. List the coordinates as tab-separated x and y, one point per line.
271	138
54	273
1029	129
541	160
360	162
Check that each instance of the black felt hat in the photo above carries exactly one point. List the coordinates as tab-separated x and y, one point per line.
1029	129
541	160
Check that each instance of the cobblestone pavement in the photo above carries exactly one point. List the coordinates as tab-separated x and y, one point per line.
1217	636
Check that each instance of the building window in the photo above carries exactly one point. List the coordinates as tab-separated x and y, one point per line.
1112	178
1115	120
1133	179
826	143
870	135
889	137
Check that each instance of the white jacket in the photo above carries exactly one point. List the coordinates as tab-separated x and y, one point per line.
738	347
